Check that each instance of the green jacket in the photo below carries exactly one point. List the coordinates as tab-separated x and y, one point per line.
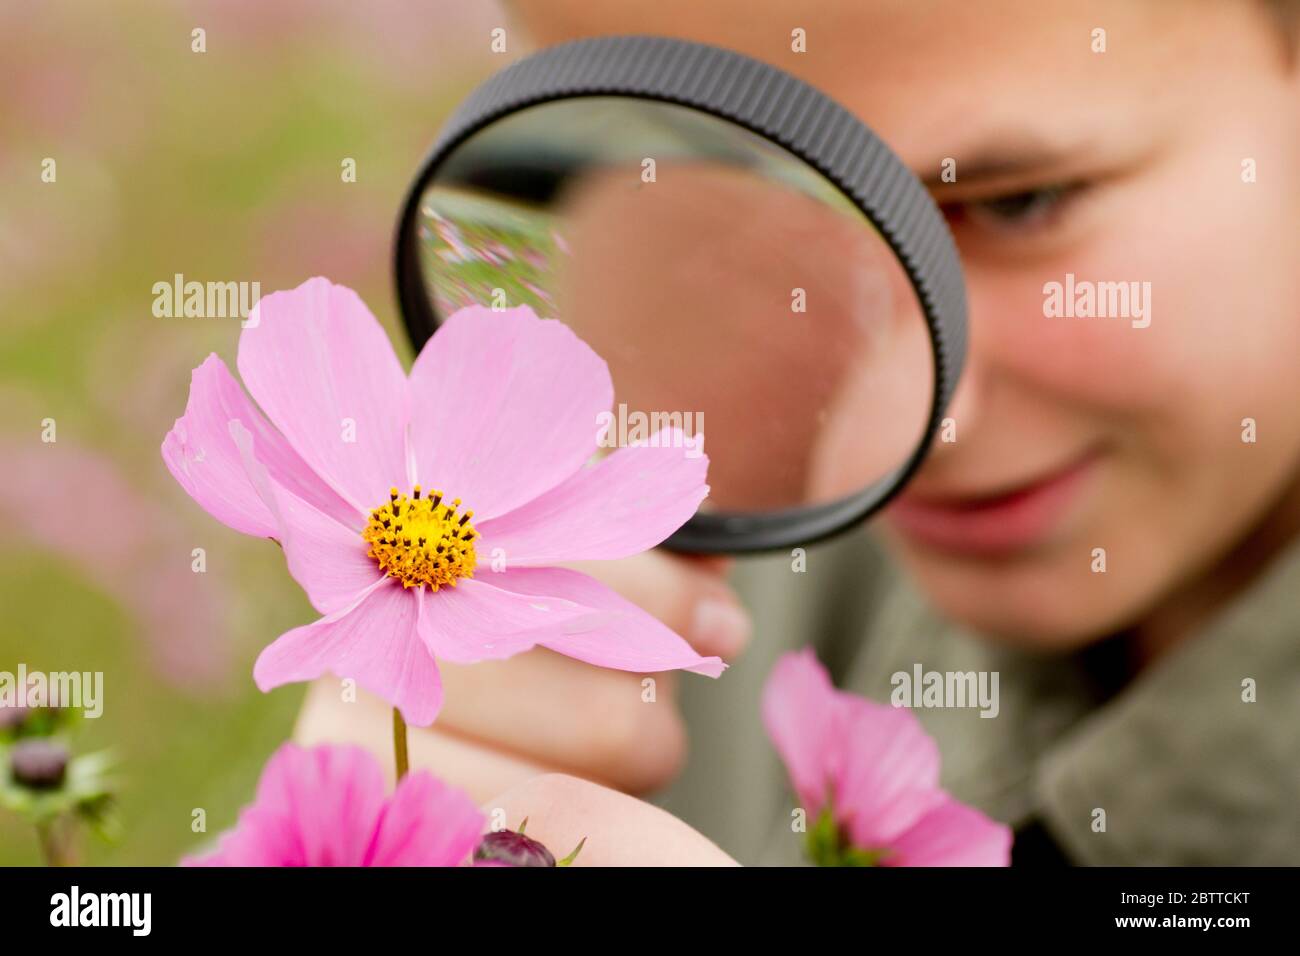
1186	767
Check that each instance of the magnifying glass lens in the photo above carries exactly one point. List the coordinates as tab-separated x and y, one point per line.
734	291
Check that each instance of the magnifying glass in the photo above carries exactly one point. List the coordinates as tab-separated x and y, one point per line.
752	262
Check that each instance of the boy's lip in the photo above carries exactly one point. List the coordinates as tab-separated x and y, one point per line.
997	522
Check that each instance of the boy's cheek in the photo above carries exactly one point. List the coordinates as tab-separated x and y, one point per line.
1197	332
1102	372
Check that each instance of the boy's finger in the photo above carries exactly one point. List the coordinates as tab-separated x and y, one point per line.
367	722
560	713
690	595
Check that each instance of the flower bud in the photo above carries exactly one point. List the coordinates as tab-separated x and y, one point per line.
39	764
512	849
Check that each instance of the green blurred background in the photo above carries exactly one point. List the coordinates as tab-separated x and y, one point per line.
223	166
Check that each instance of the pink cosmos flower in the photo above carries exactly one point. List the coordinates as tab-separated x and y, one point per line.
868	776
326	807
369	479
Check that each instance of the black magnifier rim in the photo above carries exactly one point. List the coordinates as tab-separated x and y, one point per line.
801	120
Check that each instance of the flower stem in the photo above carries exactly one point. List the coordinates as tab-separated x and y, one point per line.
49	839
399	744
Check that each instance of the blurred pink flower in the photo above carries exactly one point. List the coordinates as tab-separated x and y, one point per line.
326	807
868	777
125	546
500	408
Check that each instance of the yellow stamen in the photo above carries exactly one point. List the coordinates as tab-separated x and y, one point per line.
422	540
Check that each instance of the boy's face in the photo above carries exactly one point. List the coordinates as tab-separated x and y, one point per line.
1168	159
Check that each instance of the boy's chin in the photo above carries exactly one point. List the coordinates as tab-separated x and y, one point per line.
1045	637
1039	612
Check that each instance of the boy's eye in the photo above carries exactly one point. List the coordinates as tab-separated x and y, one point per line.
1026	209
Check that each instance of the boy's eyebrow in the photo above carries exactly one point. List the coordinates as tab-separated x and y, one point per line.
1012	158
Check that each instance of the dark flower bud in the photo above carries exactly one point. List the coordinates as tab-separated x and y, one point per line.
512	849
39	764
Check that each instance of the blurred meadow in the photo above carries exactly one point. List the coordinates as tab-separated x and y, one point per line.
224	166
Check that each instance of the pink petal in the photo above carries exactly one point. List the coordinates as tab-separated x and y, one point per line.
799	710
323	370
332	794
329	560
259	838
880	765
316	807
373	642
888	775
426	823
624	504
505	406
200	454
479	621
952	834
618	635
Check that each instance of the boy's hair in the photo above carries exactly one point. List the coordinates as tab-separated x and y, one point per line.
1286	13
1285	10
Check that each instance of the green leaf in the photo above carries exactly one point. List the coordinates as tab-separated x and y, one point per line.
568	860
828	845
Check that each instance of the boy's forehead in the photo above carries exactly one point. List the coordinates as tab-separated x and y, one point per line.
929	74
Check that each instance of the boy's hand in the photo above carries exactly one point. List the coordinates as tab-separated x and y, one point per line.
504	722
619	830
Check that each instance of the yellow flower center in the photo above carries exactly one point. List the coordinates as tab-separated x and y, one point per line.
422	540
